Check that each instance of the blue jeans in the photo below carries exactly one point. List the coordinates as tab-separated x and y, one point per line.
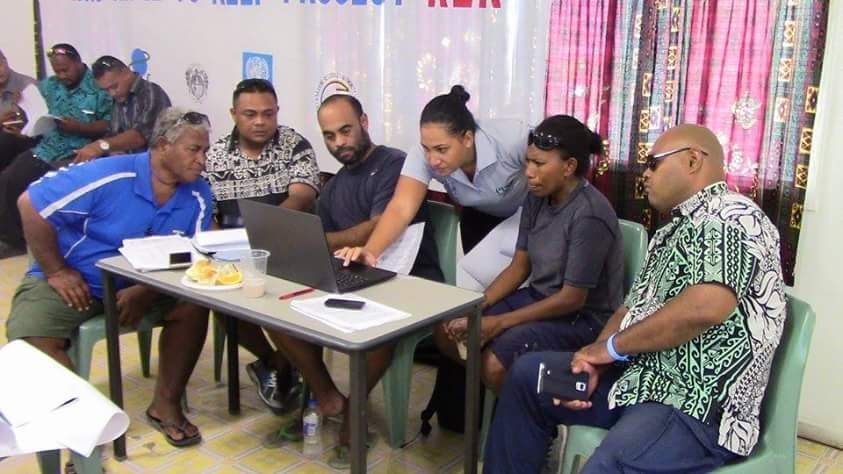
644	438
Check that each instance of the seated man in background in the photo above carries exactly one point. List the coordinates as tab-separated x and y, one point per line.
77	215
696	336
271	163
137	103
350	206
12	119
84	111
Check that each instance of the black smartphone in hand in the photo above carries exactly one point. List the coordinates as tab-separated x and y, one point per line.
561	383
344	304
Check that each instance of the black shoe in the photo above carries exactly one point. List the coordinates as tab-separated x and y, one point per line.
9	251
279	392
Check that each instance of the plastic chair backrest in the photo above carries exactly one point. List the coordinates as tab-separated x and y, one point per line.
445	220
634	250
780	409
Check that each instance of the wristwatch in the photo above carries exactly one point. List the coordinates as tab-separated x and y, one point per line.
105	147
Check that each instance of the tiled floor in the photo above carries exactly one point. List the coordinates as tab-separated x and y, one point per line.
244	443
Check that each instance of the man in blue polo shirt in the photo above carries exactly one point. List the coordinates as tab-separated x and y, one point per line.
80	214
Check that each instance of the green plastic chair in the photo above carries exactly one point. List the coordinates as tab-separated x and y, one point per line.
396	381
776	448
635	239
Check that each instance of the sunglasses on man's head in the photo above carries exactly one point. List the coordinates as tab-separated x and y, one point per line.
104	64
653	160
61	51
543	141
193	118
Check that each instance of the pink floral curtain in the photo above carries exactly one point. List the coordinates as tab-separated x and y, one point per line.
748	70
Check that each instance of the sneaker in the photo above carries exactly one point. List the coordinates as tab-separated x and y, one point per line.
266	381
279	393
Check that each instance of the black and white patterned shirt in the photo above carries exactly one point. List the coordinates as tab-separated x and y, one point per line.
286	159
721	237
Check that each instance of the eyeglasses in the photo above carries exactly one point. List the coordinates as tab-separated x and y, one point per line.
193	118
102	65
543	141
62	51
653	160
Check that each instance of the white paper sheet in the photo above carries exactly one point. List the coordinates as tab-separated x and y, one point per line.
348	320
221	240
33	385
39	120
401	255
487	259
153	253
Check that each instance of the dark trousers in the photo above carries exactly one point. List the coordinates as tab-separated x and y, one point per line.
23	170
13	145
643	438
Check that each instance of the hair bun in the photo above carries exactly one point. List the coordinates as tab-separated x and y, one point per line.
458	92
595	144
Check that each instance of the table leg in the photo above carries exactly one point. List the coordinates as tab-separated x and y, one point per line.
357	411
233	358
472	393
112	338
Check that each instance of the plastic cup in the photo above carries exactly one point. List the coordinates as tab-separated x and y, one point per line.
253	265
254	262
254	287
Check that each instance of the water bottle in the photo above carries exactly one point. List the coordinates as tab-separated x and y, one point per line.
311	424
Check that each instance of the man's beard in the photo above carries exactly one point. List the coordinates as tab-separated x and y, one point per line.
358	152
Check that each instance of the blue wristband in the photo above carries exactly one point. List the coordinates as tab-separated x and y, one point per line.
610	348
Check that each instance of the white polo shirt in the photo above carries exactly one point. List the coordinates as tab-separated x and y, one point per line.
499	185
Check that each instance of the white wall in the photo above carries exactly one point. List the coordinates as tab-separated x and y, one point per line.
819	261
17	39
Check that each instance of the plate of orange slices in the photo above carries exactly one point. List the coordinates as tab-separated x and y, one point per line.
212	276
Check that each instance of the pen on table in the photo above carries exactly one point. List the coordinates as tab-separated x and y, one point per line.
293	294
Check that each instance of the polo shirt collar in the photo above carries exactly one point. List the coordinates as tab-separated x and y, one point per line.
485	150
699	200
143	184
234	140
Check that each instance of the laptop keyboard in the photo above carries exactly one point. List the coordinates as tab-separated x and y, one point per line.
347	279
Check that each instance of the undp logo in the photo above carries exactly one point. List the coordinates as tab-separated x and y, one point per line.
257	66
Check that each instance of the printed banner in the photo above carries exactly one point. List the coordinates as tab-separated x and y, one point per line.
394	55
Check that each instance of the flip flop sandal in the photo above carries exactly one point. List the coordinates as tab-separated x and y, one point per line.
342	453
162	426
292	431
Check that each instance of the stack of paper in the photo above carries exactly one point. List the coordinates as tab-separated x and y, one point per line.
348	320
39	120
227	240
44	406
154	252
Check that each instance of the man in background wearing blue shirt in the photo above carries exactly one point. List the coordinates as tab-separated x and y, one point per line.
80	214
83	112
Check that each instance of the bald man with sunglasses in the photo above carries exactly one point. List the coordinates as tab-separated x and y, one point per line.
679	371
